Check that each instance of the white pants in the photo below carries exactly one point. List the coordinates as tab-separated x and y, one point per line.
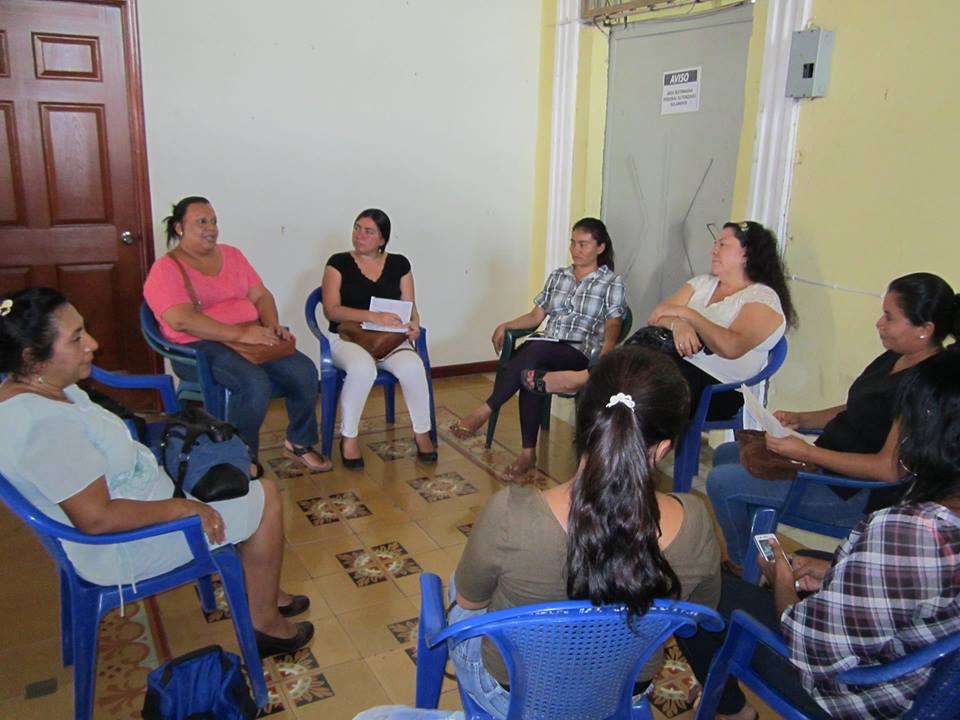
361	371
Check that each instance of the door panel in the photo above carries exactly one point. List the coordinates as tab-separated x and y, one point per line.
71	180
666	176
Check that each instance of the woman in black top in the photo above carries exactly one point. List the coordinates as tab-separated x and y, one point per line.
350	280
859	437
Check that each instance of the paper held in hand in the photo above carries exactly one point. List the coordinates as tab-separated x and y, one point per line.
766	419
401	308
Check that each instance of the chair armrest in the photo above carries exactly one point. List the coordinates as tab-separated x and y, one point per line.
161	383
755	629
433	616
923	657
510	337
805	478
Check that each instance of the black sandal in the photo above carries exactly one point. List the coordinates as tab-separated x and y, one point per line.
537	385
258	473
297	452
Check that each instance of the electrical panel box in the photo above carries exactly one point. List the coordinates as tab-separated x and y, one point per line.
809	72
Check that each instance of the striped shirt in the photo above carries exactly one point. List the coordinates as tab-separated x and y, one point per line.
892	589
577	310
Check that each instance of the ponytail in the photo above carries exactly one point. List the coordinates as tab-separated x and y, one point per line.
634	399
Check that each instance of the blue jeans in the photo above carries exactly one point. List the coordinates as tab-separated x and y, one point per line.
251	388
472	676
735	494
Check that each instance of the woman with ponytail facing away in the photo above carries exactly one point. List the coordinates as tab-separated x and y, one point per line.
606	535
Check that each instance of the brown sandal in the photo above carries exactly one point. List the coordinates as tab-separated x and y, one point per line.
300	453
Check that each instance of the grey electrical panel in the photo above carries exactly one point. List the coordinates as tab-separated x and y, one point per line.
809	72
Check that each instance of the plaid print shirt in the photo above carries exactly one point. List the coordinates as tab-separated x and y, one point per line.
577	310
892	590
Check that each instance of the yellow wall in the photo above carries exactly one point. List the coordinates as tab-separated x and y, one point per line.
538	240
875	188
874	182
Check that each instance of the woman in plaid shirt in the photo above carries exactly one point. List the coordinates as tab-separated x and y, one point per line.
583	304
891	588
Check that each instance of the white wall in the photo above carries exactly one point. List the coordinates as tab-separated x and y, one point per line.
294	115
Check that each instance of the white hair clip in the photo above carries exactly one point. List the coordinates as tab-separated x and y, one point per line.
5	307
622	398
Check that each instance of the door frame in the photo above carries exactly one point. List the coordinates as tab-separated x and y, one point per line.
138	131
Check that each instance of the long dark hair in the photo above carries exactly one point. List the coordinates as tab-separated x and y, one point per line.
928	298
27	332
598	231
613	551
177	214
764	264
929	403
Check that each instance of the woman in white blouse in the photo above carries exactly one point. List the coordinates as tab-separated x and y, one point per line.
724	323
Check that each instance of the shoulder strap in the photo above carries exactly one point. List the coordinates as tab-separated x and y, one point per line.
186	281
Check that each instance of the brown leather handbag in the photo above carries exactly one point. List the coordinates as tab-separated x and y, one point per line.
251	352
378	344
763	463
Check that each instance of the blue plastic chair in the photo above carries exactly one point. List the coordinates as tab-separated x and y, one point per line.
331	378
190	365
939	697
565	659
686	461
83	604
510	339
766	520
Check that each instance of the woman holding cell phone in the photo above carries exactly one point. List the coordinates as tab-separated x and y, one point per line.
891	588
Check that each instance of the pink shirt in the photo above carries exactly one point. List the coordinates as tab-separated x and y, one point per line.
222	296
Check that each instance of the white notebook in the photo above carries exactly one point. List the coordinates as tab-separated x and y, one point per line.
401	308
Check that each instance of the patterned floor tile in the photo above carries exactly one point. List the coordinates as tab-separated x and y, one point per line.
305	689
389	450
404	631
442	486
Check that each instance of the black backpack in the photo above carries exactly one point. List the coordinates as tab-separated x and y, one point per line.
204	456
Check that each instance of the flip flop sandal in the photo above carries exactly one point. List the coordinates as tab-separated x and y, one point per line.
537	385
297	452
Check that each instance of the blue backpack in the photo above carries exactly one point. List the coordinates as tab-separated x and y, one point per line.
204	456
206	684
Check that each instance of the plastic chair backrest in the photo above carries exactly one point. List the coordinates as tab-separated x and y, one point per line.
687	455
570	659
936	700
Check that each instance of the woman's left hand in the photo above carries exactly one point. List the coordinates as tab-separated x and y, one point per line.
685	338
791	447
413	330
282	332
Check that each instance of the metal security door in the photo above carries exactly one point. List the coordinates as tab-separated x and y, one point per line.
666	176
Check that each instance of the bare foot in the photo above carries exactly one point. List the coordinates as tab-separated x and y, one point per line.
565	381
525	462
467	427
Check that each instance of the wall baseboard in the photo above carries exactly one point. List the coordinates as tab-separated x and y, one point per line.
464	369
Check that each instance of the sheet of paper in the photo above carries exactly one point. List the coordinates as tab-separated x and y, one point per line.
767	421
402	308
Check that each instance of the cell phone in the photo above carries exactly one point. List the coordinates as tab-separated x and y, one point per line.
768	545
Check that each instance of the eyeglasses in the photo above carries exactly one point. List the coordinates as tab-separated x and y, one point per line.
712	229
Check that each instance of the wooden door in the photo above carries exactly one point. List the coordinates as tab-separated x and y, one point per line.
74	209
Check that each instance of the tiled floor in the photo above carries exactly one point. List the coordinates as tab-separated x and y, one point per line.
356	543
